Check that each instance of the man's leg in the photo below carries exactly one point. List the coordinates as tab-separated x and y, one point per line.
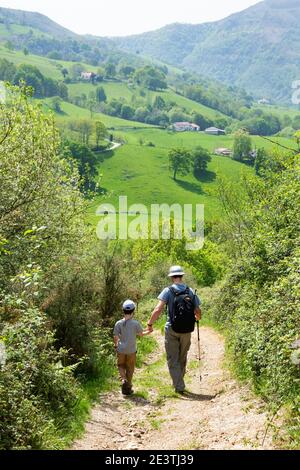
172	345
185	344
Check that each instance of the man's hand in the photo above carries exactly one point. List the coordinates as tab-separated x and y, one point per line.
198	314
150	328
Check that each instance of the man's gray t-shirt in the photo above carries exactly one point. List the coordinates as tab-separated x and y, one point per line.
168	297
127	331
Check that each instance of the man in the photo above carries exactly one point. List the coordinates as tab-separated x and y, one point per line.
177	344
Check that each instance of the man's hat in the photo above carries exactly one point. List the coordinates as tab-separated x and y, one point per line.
176	271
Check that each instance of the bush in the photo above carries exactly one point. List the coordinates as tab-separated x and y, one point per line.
36	391
260	300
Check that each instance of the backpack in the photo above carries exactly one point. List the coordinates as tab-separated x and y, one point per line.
183	317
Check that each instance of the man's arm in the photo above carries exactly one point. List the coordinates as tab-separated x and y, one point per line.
156	314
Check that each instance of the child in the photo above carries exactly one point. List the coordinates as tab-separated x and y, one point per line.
125	333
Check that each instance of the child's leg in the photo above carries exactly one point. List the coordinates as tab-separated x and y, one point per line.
130	366
122	366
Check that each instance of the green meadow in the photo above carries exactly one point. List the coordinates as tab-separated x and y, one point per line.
142	173
140	168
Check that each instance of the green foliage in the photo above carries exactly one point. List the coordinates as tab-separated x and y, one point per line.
151	77
180	161
100	94
201	157
87	163
37	391
242	146
260	300
32	77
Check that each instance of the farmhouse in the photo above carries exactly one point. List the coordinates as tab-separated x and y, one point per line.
264	101
185	126
214	131
223	151
88	76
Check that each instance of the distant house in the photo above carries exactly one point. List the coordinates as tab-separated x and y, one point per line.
264	101
185	126
89	76
214	131
223	151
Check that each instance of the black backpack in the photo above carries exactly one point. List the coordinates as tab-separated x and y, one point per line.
183	317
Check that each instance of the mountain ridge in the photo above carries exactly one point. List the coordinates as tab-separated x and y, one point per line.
253	49
35	20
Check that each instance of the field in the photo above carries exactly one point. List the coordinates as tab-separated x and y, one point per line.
279	111
142	173
70	111
48	67
122	90
140	168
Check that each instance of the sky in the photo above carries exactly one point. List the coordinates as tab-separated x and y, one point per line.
125	17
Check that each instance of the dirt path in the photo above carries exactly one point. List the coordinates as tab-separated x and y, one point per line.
217	414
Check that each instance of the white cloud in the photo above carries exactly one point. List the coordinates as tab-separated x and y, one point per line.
123	17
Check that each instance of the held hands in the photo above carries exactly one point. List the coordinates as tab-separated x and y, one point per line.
149	329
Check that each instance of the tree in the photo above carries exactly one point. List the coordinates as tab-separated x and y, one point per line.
201	120
63	91
9	46
151	77
87	163
65	72
32	77
296	122
25	51
7	70
261	161
100	74
38	189
297	138
55	104
127	112
127	71
84	127
100	95
100	132
76	71
159	103
180	161
110	70
201	157
242	145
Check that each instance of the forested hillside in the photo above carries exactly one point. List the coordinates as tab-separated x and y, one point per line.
255	49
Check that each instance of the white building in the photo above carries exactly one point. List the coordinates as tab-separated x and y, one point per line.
185	126
223	151
88	75
214	131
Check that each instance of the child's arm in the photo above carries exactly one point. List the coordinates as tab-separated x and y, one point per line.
145	333
116	341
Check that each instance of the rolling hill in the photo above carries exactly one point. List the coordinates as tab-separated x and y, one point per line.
37	21
256	49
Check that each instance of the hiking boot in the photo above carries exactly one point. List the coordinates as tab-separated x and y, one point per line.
125	388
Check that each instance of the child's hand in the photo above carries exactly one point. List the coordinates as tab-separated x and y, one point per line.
148	331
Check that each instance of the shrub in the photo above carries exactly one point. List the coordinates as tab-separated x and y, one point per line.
36	391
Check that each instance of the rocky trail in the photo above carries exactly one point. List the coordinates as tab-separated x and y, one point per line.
217	413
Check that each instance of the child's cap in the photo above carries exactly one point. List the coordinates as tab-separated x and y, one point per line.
129	306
